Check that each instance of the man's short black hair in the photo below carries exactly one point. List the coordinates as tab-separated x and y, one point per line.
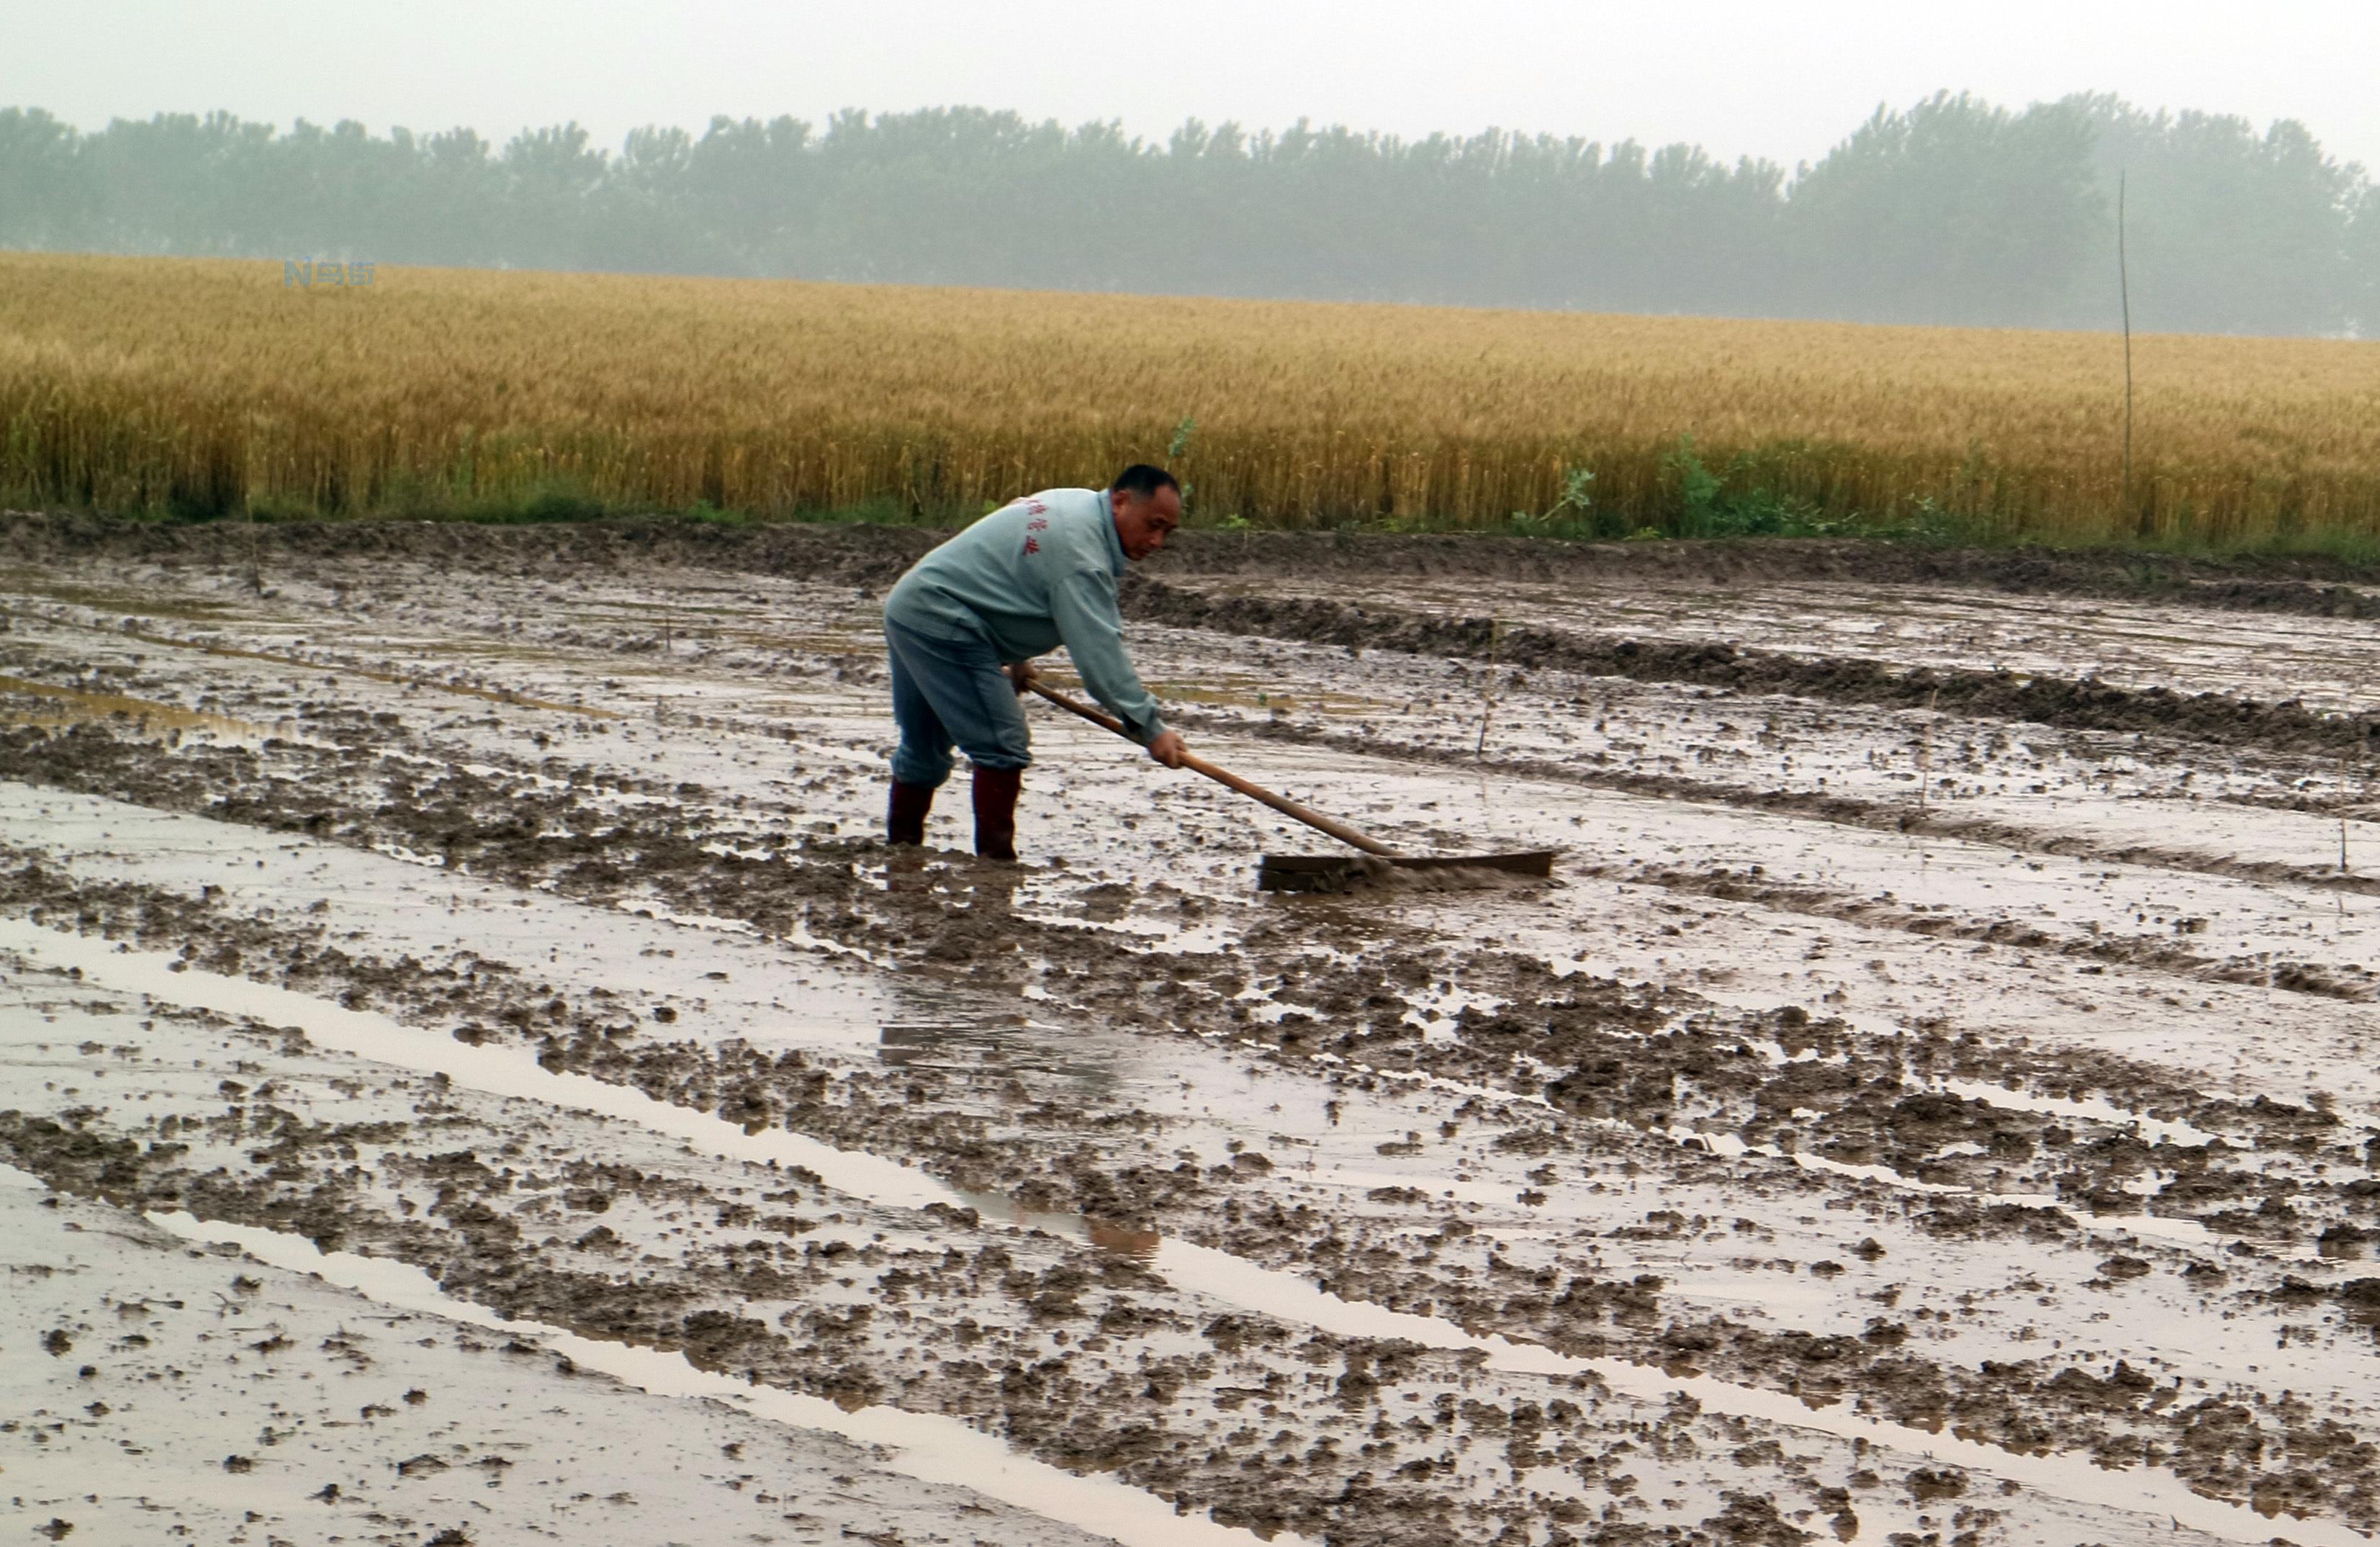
1143	480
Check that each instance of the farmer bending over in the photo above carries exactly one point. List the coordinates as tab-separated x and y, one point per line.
965	622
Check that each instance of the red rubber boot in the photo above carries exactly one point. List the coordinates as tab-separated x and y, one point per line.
905	822
995	811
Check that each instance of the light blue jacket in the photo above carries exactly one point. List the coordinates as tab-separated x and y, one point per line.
1029	576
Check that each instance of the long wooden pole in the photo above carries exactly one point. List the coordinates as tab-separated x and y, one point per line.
1230	780
2124	290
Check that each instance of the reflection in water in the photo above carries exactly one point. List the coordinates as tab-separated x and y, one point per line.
335	669
964	1040
988	886
1141	1242
1138	1242
946	1043
978	1045
904	873
940	1449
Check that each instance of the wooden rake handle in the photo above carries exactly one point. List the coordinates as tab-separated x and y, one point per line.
1230	780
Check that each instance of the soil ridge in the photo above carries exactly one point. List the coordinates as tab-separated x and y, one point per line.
2066	703
2311	585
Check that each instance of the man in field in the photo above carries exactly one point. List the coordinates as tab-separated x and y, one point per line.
965	623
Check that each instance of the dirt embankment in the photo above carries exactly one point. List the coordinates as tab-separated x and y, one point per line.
841	555
2310	585
872	557
2064	702
2315	585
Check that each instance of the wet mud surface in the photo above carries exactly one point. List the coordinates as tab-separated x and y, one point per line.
2310	585
1930	1103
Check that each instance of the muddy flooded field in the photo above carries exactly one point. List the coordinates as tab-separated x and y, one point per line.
472	1075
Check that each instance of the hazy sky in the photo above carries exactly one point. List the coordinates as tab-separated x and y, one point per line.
1783	79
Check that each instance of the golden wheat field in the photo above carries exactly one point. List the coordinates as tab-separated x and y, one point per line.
214	385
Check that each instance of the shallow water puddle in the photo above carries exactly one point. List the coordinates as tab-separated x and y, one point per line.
1243	1284
2074	1477
493	1068
68	706
932	1448
414	903
2153	1130
334	668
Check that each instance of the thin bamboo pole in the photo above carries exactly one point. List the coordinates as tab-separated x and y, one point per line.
2124	290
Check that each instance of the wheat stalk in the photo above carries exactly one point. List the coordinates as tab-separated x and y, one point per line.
141	384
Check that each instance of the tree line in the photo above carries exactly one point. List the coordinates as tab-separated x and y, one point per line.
1951	210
